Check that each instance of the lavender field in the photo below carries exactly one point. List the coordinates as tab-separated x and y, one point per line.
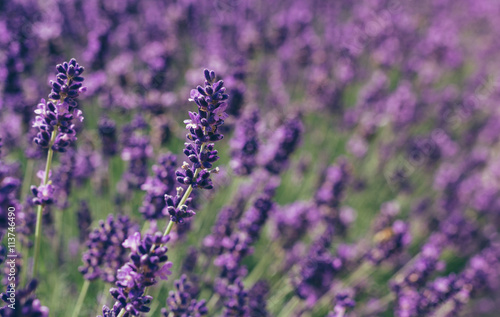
315	158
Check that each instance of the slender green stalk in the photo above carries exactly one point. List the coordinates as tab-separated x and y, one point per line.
38	229
213	301
81	297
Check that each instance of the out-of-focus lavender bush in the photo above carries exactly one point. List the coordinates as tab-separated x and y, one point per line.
341	159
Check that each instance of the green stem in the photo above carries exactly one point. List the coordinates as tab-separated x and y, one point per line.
169	227
289	307
81	297
39	210
213	301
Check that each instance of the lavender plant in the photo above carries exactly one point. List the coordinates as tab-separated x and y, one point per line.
54	121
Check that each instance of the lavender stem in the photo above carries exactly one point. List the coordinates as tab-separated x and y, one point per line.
81	297
39	210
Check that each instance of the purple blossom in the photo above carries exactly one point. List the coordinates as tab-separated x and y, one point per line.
105	250
317	270
44	194
236	304
148	261
8	188
180	302
84	217
283	143
137	151
26	304
332	191
389	242
202	131
178	213
343	301
245	144
157	186
58	112
257	297
107	133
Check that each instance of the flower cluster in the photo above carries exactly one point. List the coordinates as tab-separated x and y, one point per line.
161	183
317	269
203	131
55	117
180	302
43	194
107	133
245	144
236	304
178	212
148	261
137	151
343	302
285	140
8	187
24	304
105	253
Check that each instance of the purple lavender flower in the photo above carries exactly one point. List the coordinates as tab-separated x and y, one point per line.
106	254
55	116
236	304
245	144
137	151
25	303
43	194
161	183
426	263
332	191
148	261
292	221
8	187
180	302
343	301
390	241
178	213
257	297
84	217
203	129
317	269
238	245
107	133
284	142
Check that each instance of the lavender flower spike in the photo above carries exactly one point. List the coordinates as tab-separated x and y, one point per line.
202	132
54	116
54	121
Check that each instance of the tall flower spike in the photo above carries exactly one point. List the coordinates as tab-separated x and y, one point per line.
56	132
202	132
57	113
